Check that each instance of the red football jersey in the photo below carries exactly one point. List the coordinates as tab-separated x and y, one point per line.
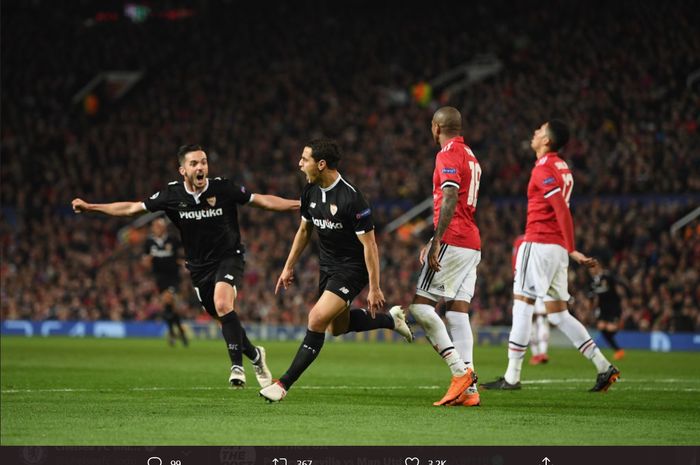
550	177
456	165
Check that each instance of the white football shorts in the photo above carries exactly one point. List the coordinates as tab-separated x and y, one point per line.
541	272
456	279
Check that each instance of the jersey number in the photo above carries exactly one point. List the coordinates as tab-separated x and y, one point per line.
568	179
473	194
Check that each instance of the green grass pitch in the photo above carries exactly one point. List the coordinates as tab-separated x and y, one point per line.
65	391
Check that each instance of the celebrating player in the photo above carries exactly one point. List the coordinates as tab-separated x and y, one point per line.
206	213
349	260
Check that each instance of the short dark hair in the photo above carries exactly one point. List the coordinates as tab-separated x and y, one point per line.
325	149
185	149
558	132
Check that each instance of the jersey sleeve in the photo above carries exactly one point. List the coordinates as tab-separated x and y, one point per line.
548	181
237	193
157	202
447	167
361	215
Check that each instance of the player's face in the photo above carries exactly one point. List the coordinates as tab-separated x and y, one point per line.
158	227
538	138
309	166
195	169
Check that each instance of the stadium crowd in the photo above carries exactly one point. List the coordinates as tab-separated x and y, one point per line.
252	86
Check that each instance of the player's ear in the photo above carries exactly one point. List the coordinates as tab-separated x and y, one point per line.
181	169
322	165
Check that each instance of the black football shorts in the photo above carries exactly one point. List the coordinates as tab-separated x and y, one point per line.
229	270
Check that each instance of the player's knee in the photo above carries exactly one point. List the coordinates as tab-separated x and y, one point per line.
318	323
558	317
222	306
424	314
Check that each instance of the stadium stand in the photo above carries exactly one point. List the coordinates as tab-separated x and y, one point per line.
252	86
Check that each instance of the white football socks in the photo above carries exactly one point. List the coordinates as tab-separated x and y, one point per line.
518	339
578	335
436	332
462	336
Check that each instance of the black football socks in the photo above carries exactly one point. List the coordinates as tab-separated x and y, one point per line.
361	320
233	334
307	353
610	338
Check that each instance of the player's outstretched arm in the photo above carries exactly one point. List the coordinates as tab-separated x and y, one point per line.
375	297
301	240
272	202
111	209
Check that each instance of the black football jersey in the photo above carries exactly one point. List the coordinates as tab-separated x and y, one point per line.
164	253
208	222
604	287
339	213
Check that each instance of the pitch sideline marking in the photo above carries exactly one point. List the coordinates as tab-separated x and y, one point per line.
531	383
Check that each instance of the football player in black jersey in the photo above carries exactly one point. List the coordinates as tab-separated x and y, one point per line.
161	253
609	309
348	257
206	213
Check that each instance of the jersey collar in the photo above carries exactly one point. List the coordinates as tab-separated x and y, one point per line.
543	159
335	183
196	195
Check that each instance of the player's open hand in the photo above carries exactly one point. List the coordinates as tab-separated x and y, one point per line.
375	301
79	205
434	256
285	280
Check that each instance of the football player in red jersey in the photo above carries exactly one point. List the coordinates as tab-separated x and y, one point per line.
543	259
450	259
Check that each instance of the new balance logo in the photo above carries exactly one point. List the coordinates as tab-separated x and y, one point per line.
312	205
344	290
313	351
199	214
229	277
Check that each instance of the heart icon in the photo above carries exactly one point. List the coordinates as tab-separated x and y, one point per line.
412	461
